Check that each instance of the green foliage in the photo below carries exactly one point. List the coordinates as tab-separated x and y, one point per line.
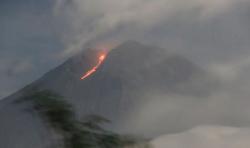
53	110
93	122
60	117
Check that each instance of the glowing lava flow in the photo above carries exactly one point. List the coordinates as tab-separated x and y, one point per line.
91	71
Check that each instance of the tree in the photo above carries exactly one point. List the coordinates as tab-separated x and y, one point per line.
59	115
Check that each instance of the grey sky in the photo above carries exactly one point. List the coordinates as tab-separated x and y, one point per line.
28	40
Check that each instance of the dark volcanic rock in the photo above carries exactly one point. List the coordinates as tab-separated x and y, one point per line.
115	89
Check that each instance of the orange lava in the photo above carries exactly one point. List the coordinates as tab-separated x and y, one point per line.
91	71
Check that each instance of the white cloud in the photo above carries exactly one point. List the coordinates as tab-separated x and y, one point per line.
165	113
231	70
95	21
15	66
10	70
206	137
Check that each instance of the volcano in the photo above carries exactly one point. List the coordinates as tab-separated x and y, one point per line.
116	89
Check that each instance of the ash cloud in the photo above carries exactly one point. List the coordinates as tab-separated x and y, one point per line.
196	28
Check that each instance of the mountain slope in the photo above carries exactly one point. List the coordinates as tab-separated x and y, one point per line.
114	91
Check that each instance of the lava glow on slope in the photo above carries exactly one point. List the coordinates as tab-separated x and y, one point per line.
91	71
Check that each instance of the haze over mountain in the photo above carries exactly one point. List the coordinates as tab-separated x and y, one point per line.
115	91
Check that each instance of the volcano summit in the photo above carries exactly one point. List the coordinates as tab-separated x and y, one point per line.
115	90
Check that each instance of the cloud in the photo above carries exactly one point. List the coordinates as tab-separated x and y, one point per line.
114	21
161	113
29	43
231	70
206	137
15	67
11	69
